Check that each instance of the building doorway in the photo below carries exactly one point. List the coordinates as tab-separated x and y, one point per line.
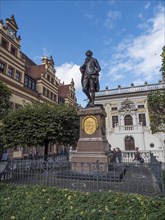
129	143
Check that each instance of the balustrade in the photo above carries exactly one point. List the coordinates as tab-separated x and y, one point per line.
131	89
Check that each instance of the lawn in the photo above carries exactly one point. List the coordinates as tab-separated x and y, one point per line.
50	203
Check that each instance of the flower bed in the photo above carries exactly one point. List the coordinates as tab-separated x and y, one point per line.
50	203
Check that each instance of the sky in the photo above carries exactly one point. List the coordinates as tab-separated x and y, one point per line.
126	37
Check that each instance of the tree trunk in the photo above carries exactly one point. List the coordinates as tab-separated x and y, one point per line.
46	149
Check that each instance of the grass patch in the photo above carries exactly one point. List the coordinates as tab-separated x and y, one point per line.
50	203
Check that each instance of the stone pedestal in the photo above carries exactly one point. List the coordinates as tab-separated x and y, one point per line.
92	144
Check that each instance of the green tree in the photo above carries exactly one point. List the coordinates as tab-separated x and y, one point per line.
156	107
156	103
40	123
5	95
163	63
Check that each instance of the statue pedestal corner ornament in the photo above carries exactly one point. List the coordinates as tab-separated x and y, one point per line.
92	144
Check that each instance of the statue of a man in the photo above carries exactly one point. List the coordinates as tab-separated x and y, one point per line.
90	77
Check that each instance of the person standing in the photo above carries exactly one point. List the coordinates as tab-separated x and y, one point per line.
30	155
138	157
114	155
90	77
36	154
118	155
4	156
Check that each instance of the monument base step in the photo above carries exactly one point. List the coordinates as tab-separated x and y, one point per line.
114	175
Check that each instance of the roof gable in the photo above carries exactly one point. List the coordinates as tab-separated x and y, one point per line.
12	22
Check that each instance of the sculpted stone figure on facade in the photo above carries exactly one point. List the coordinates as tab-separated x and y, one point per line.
90	77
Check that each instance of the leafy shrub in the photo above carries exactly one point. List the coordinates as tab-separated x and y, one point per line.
50	203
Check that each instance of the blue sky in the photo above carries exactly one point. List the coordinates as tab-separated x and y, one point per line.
126	37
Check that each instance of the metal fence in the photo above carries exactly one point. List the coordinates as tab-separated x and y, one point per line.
138	178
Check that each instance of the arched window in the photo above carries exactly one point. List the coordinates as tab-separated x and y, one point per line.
128	120
129	143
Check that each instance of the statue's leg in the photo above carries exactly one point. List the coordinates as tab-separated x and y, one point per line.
92	98
92	90
85	88
87	94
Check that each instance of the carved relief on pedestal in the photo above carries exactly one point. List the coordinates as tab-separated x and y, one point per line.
90	124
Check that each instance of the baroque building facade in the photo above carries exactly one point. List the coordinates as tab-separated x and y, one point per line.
28	81
127	121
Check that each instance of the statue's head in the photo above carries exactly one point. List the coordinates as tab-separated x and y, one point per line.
89	53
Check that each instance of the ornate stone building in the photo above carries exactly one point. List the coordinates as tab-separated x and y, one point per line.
127	121
28	81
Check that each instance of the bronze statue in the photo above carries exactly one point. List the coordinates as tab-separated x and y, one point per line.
90	77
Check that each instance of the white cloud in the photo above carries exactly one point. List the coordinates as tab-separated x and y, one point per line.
111	2
68	71
89	16
92	18
147	5
140	15
46	52
140	57
112	16
138	81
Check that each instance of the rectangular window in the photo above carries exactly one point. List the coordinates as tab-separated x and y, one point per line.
48	93
13	51
17	76
33	85
55	97
10	72
114	120
51	96
61	100
114	108
4	44
142	119
44	91
26	80
52	80
140	106
48	77
2	67
30	83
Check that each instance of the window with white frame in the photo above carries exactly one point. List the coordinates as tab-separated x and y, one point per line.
114	120
142	119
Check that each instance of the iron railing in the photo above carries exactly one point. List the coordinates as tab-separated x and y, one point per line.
130	177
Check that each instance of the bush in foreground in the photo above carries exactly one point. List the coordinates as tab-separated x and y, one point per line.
50	203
